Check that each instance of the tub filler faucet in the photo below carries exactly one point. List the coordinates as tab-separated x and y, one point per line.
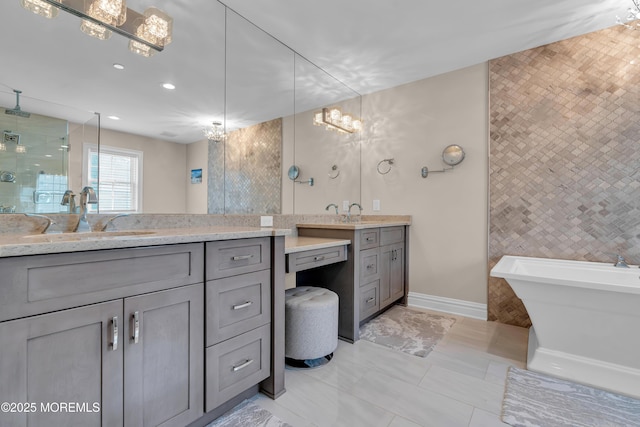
621	263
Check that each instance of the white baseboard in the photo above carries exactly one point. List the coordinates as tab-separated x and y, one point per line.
448	305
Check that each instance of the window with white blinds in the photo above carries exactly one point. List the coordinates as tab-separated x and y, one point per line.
120	172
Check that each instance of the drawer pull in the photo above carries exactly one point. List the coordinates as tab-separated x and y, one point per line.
370	266
114	333
136	327
241	306
372	299
241	257
242	365
369	239
318	258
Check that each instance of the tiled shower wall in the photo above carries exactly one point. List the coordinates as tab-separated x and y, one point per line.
245	171
564	156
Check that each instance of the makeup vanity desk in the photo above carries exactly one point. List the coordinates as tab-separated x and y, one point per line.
369	275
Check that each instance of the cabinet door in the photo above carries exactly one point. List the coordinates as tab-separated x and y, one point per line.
391	273
51	360
164	357
396	274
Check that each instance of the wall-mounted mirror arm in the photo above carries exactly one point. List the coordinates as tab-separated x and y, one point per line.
294	173
452	155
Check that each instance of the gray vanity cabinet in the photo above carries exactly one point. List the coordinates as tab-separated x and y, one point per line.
123	345
66	356
373	277
238	317
163	357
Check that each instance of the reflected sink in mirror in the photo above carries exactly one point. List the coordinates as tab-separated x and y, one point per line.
75	237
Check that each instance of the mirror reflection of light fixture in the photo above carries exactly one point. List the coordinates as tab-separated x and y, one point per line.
215	132
149	32
334	119
39	7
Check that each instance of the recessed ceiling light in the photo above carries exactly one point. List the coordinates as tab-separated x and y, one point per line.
114	117
118	66
48	155
168	86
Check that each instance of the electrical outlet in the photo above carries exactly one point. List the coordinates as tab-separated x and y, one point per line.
376	205
345	205
266	221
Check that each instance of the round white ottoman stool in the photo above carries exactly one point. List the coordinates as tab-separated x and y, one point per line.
311	326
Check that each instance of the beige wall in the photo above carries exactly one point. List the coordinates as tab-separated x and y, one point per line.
197	155
413	123
164	169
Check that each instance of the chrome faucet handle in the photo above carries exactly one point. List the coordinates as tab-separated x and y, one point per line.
47	225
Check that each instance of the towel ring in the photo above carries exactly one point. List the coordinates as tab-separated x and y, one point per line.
389	164
335	172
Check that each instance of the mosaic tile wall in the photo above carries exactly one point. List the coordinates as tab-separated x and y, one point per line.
564	156
245	171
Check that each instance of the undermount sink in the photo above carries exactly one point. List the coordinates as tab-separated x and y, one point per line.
75	237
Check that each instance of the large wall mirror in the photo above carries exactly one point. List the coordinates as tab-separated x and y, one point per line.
231	71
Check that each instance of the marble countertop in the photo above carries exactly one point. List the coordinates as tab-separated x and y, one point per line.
360	225
301	244
36	244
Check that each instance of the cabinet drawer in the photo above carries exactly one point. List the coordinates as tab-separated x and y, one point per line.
236	364
369	299
42	283
237	304
390	235
369	238
305	260
369	265
232	257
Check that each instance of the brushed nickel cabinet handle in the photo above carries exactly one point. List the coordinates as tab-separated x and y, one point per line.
241	306
241	257
318	258
136	327
369	239
372	299
370	266
114	333
242	365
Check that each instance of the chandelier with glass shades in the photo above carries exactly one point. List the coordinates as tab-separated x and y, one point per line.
215	132
334	119
149	32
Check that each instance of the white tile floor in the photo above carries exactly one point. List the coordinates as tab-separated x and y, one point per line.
460	383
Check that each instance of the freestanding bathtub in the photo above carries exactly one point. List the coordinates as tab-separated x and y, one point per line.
585	316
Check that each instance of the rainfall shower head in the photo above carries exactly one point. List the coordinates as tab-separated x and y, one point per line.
16	110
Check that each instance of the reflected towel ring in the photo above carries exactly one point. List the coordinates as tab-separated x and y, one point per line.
389	162
335	172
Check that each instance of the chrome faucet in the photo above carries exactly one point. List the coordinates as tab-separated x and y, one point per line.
69	199
47	225
110	220
87	195
621	263
330	205
349	211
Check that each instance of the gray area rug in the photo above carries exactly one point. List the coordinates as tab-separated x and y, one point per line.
248	414
533	399
411	331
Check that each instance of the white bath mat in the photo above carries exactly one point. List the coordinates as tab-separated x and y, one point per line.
248	414
533	399
411	331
